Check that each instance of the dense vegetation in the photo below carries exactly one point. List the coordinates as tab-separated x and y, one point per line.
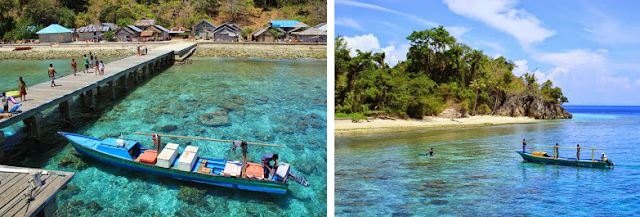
438	73
20	19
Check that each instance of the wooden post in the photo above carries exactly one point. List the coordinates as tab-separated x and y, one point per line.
135	76
158	144
112	89
1	149
33	123
244	160
123	81
65	110
91	99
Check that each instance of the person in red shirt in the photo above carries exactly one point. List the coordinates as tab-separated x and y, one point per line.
74	66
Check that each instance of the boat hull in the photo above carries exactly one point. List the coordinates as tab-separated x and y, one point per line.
224	181
562	161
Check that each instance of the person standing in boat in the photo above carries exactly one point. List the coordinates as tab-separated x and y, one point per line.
578	152
431	152
556	151
603	157
524	146
266	159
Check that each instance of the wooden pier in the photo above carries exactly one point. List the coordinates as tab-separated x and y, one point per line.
16	185
85	85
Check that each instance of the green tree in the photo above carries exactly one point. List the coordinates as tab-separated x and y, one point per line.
76	5
108	35
477	85
66	17
125	22
40	12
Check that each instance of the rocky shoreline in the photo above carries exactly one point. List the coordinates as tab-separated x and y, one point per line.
261	51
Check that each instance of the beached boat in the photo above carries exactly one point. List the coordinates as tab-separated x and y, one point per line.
127	153
543	157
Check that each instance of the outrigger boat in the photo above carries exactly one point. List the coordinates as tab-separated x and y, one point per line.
189	166
543	157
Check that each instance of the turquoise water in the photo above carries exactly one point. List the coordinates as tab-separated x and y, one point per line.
275	102
476	171
34	71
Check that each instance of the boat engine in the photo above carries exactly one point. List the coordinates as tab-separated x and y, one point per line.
609	162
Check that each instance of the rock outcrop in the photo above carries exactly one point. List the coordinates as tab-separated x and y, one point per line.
531	106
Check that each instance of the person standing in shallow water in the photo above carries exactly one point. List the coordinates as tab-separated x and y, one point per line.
524	146
23	89
431	152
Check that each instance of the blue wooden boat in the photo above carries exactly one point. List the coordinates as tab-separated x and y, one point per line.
543	157
126	153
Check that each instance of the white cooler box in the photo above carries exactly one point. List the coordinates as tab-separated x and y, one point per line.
188	159
168	155
232	168
283	170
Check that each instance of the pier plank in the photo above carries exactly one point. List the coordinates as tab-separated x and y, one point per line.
13	201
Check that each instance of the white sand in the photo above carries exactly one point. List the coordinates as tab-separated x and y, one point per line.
377	126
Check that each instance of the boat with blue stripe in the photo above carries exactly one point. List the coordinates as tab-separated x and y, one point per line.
543	157
188	166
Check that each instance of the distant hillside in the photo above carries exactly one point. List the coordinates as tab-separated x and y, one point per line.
17	15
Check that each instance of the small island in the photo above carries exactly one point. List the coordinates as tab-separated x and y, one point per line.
442	83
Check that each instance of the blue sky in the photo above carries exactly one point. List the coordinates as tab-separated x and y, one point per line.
591	48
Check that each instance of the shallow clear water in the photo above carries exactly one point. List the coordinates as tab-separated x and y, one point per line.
34	71
275	102
476	171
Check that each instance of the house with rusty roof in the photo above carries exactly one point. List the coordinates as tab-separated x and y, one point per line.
228	32
144	23
311	35
92	32
128	33
173	31
156	33
204	29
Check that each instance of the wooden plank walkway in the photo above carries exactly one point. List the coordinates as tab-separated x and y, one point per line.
42	96
13	186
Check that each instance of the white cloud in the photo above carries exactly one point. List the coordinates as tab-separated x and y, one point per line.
348	22
363	43
394	55
521	67
457	31
365	5
369	42
502	15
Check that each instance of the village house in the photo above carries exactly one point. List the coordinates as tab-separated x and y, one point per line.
204	29
128	33
266	34
228	32
156	32
92	32
174	31
311	35
55	33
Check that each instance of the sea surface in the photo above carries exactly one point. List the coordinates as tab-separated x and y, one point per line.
279	102
476	171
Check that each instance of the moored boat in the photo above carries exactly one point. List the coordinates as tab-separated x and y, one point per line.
543	157
188	165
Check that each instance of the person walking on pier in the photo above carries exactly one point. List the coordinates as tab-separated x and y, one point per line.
52	75
23	89
86	64
101	68
96	65
74	66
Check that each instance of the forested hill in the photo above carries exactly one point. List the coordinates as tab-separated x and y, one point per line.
18	15
440	74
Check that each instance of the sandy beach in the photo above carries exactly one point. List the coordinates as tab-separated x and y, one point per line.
345	127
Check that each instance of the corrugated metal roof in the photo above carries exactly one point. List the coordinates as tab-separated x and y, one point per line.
178	28
233	27
145	22
161	28
260	32
175	32
301	24
284	23
207	22
134	28
111	26
54	28
311	31
93	28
